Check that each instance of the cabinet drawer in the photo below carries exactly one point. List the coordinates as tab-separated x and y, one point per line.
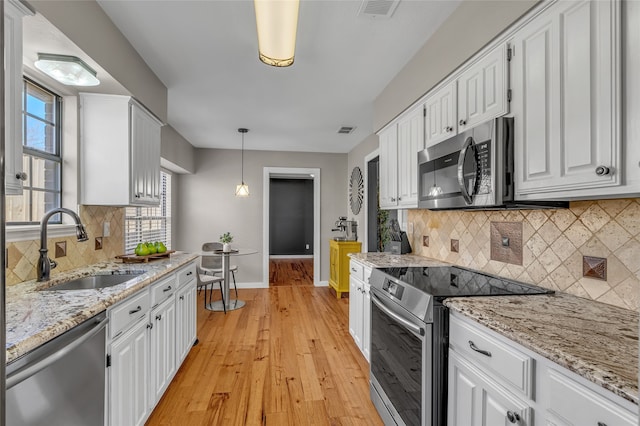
163	290
186	274
578	405
486	351
356	270
125	314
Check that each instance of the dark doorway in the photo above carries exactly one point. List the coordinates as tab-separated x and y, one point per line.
290	217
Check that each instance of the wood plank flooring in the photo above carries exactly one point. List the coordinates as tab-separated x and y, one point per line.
289	272
286	358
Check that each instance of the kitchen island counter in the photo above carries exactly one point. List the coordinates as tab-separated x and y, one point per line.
35	317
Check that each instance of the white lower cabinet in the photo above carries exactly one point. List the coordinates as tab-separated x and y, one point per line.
148	344
494	381
128	376
360	306
162	349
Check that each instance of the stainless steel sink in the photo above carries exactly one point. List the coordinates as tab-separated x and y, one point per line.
95	281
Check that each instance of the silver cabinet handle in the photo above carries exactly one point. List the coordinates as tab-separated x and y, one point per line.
181	297
480	351
602	170
166	289
513	417
149	326
21	176
133	311
392	199
158	317
354	270
462	122
448	129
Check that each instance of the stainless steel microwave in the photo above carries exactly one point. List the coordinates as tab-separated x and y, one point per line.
472	170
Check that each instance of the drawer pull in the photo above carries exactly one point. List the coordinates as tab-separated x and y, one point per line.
181	297
602	424
513	417
354	270
149	326
133	311
166	289
480	351
189	273
158	317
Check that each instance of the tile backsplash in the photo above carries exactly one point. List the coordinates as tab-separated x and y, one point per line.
22	256
553	245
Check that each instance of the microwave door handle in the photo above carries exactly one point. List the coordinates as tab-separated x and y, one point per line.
461	160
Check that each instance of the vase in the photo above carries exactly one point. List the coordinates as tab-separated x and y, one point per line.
226	247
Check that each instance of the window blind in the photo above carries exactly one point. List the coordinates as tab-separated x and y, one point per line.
150	224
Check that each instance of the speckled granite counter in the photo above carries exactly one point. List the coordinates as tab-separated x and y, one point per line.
34	317
388	260
595	340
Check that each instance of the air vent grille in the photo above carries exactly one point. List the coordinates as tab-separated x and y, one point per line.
378	8
345	130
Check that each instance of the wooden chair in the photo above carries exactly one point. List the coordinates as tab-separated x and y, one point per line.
214	263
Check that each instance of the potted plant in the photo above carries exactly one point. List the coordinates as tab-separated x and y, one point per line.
226	239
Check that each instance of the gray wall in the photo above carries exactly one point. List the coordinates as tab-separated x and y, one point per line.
356	158
86	24
208	206
470	27
177	153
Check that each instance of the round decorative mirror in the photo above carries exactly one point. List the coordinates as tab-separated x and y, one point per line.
356	190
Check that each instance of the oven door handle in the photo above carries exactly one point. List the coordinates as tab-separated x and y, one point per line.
468	197
411	326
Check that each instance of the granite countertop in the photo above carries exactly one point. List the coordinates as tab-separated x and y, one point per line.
593	339
34	317
388	260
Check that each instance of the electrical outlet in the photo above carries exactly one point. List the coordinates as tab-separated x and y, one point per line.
307	246
106	229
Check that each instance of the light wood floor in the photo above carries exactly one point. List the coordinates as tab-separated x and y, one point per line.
288	272
286	358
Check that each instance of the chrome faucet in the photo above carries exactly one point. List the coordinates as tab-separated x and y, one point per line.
44	263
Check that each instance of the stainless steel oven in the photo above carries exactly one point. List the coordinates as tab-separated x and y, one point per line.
409	337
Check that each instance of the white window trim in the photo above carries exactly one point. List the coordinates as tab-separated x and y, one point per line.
16	233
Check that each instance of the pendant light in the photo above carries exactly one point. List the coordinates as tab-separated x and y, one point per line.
242	190
277	23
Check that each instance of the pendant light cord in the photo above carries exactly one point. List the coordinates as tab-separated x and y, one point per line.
242	167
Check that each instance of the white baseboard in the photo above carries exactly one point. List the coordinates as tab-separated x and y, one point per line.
291	256
257	284
323	284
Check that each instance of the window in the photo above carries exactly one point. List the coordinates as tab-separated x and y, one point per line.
143	224
42	157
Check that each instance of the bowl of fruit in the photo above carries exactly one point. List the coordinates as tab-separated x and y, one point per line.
149	248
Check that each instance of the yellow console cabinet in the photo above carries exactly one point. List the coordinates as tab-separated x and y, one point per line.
339	264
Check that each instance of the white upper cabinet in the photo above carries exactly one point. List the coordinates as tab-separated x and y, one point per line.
410	142
120	152
566	101
388	174
440	116
482	89
14	11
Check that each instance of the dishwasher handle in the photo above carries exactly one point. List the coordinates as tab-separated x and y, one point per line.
30	370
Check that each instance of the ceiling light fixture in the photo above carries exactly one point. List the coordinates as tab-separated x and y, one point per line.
242	190
277	23
69	70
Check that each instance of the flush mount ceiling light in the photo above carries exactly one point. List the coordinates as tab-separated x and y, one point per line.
242	190
68	70
277	22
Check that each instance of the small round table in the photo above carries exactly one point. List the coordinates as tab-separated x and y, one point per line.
231	304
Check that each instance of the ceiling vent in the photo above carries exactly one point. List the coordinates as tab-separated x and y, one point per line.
378	9
345	130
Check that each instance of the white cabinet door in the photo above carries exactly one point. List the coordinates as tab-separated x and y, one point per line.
410	142
128	377
185	319
482	89
145	157
162	348
476	400
566	95
366	322
440	117
355	310
388	174
14	174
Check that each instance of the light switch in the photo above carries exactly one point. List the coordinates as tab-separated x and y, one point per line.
106	229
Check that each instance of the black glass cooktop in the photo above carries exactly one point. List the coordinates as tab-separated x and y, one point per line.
451	281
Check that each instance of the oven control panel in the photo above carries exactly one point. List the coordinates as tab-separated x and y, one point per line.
393	288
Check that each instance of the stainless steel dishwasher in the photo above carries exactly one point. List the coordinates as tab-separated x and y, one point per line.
63	381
